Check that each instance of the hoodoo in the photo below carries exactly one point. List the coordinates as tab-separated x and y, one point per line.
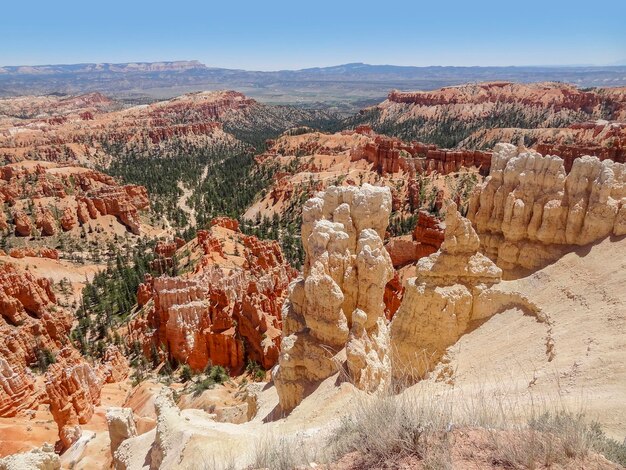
529	211
338	303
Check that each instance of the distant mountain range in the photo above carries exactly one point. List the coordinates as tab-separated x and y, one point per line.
346	86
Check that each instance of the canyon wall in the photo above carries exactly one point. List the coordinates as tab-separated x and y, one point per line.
530	210
35	332
390	155
425	239
557	96
338	303
227	311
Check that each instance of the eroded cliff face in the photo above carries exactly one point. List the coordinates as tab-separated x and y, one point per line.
34	328
338	303
530	210
53	198
226	311
391	155
451	294
425	239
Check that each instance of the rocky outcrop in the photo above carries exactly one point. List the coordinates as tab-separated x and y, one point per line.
556	96
530	210
37	459
391	155
121	426
68	219
215	315
23	224
73	388
338	303
31	320
44	221
49	253
452	293
31	323
35	332
17	389
226	222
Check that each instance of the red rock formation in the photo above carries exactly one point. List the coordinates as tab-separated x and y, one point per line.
426	239
73	389
558	96
30	322
209	243
33	324
219	316
114	365
390	155
17	389
144	291
3	220
393	296
68	220
34	252
23	224
123	203
44	221
428	231
226	222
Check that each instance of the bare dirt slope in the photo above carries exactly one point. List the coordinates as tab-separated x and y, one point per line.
509	356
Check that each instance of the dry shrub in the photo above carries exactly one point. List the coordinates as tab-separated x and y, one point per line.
384	429
281	453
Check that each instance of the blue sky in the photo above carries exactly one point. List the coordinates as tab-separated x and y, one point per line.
271	35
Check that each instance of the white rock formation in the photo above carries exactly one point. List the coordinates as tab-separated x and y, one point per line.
528	210
339	302
452	294
37	459
121	426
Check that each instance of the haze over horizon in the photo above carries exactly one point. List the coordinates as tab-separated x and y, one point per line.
281	36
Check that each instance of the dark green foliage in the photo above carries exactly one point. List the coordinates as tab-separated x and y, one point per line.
45	357
400	224
214	375
448	131
186	373
109	298
255	370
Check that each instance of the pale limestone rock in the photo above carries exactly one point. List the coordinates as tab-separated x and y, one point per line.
121	426
345	272
37	459
528	210
453	291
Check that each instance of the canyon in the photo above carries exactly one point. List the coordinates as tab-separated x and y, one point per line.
344	269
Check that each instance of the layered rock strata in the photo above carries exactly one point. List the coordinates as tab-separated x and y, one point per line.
391	155
338	303
530	210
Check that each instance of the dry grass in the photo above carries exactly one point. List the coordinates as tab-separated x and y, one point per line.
383	430
282	453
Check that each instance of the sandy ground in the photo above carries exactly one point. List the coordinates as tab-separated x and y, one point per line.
583	297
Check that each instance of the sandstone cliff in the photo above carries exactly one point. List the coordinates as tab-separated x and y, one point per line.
530	210
226	311
35	331
339	301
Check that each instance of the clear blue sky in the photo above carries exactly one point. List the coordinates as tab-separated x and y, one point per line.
270	35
